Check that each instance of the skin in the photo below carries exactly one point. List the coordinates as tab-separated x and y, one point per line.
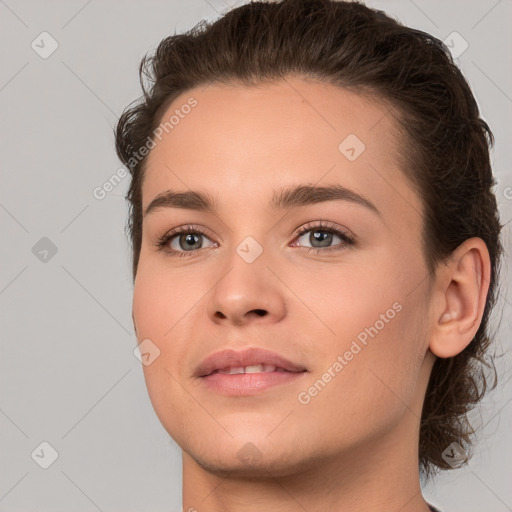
354	445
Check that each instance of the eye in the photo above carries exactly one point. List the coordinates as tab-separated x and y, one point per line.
183	240
187	240
322	235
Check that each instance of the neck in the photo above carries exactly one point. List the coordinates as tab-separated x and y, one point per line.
381	475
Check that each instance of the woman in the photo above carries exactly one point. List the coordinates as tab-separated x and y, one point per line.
315	256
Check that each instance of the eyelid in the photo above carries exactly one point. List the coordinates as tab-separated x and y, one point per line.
322	225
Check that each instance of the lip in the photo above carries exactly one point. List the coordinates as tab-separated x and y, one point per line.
248	384
247	357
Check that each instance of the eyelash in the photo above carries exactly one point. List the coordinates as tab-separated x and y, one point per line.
347	239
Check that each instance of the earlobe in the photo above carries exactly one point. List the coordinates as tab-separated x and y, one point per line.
463	287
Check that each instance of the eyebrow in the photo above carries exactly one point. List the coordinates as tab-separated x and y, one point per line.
287	198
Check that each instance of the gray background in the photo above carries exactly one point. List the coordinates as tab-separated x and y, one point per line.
68	375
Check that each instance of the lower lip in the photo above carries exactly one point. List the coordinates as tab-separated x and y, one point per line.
243	384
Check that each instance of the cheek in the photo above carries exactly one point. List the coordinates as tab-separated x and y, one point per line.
340	301
162	300
370	325
164	305
160	313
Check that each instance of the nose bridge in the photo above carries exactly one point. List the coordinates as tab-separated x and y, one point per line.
248	241
247	269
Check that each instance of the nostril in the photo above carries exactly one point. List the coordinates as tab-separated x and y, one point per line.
259	312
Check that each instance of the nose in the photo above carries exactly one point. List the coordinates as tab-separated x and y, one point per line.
247	292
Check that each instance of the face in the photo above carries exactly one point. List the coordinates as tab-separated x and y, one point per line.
336	284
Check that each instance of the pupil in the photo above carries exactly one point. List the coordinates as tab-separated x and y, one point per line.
324	238
190	240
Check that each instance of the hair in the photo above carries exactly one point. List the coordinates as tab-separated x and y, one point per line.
445	156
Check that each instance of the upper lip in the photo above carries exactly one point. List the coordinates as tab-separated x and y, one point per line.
247	357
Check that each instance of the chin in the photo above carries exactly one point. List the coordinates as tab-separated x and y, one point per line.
250	462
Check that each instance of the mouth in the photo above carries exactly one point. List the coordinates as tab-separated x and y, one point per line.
254	368
248	372
250	360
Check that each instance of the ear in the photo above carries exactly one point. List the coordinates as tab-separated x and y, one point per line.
461	293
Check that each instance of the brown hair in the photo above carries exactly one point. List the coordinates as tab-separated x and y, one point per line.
446	157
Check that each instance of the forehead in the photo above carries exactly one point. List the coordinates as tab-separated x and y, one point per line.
252	139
